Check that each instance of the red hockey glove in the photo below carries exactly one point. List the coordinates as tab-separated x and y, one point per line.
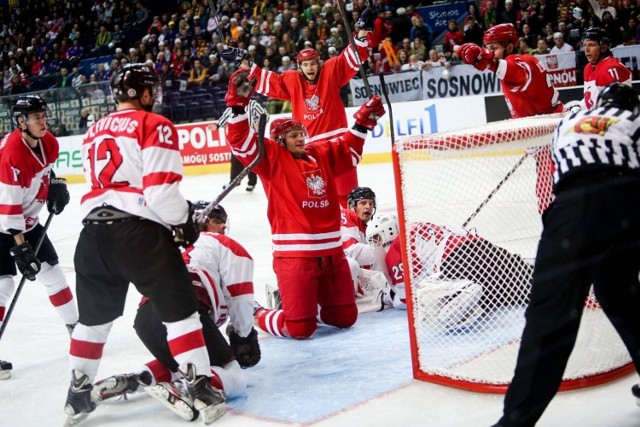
240	88
480	57
369	113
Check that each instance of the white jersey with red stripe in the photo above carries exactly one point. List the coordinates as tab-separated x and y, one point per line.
24	180
303	207
317	105
225	271
354	241
596	77
132	161
527	87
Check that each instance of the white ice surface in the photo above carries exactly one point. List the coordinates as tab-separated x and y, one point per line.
37	343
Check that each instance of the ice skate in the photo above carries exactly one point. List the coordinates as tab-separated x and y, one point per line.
636	392
79	403
250	187
5	370
171	397
120	385
208	400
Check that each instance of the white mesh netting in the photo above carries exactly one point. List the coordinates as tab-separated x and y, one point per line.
471	202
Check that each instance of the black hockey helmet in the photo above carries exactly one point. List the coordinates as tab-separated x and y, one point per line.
28	104
360	193
130	80
620	96
217	212
599	35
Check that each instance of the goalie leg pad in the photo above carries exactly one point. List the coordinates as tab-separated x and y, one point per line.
449	304
372	281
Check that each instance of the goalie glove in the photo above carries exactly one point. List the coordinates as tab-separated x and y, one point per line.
368	114
480	57
247	349
241	89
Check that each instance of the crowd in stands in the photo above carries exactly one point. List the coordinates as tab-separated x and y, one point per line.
44	44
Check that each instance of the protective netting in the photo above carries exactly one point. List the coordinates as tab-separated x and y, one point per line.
471	203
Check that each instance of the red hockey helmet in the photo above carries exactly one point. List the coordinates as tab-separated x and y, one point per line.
307	55
501	33
280	127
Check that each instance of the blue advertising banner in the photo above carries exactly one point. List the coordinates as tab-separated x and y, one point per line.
436	16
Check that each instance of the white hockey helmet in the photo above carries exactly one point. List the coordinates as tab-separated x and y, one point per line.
382	230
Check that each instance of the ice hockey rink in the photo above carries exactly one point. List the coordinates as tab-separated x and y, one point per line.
356	377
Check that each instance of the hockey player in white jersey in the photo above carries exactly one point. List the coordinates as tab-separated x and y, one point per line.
222	275
134	218
366	262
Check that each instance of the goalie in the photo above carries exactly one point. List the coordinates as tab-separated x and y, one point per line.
222	275
458	274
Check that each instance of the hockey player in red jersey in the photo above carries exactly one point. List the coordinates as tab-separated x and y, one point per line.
314	92
222	275
27	182
303	211
527	88
132	162
603	68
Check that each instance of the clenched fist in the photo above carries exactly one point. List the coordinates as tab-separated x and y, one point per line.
480	57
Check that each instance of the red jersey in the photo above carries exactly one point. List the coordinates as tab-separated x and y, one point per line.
132	161
24	180
303	207
393	259
317	105
601	75
527	87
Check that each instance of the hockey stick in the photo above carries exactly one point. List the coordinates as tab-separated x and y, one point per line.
213	11
24	278
262	124
385	93
352	42
500	184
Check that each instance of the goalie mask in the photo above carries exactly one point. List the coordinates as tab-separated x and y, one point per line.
382	230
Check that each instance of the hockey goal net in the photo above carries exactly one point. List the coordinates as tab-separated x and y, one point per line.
469	206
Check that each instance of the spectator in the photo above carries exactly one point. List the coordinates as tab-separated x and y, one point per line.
452	38
473	33
103	39
414	64
86	119
541	48
560	45
509	15
529	36
288	65
75	53
64	80
523	47
77	77
401	28
420	49
490	17
419	31
436	60
198	74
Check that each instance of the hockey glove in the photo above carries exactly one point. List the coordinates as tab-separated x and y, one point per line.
481	58
247	350
240	89
26	260
186	234
367	18
234	55
369	113
58	196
